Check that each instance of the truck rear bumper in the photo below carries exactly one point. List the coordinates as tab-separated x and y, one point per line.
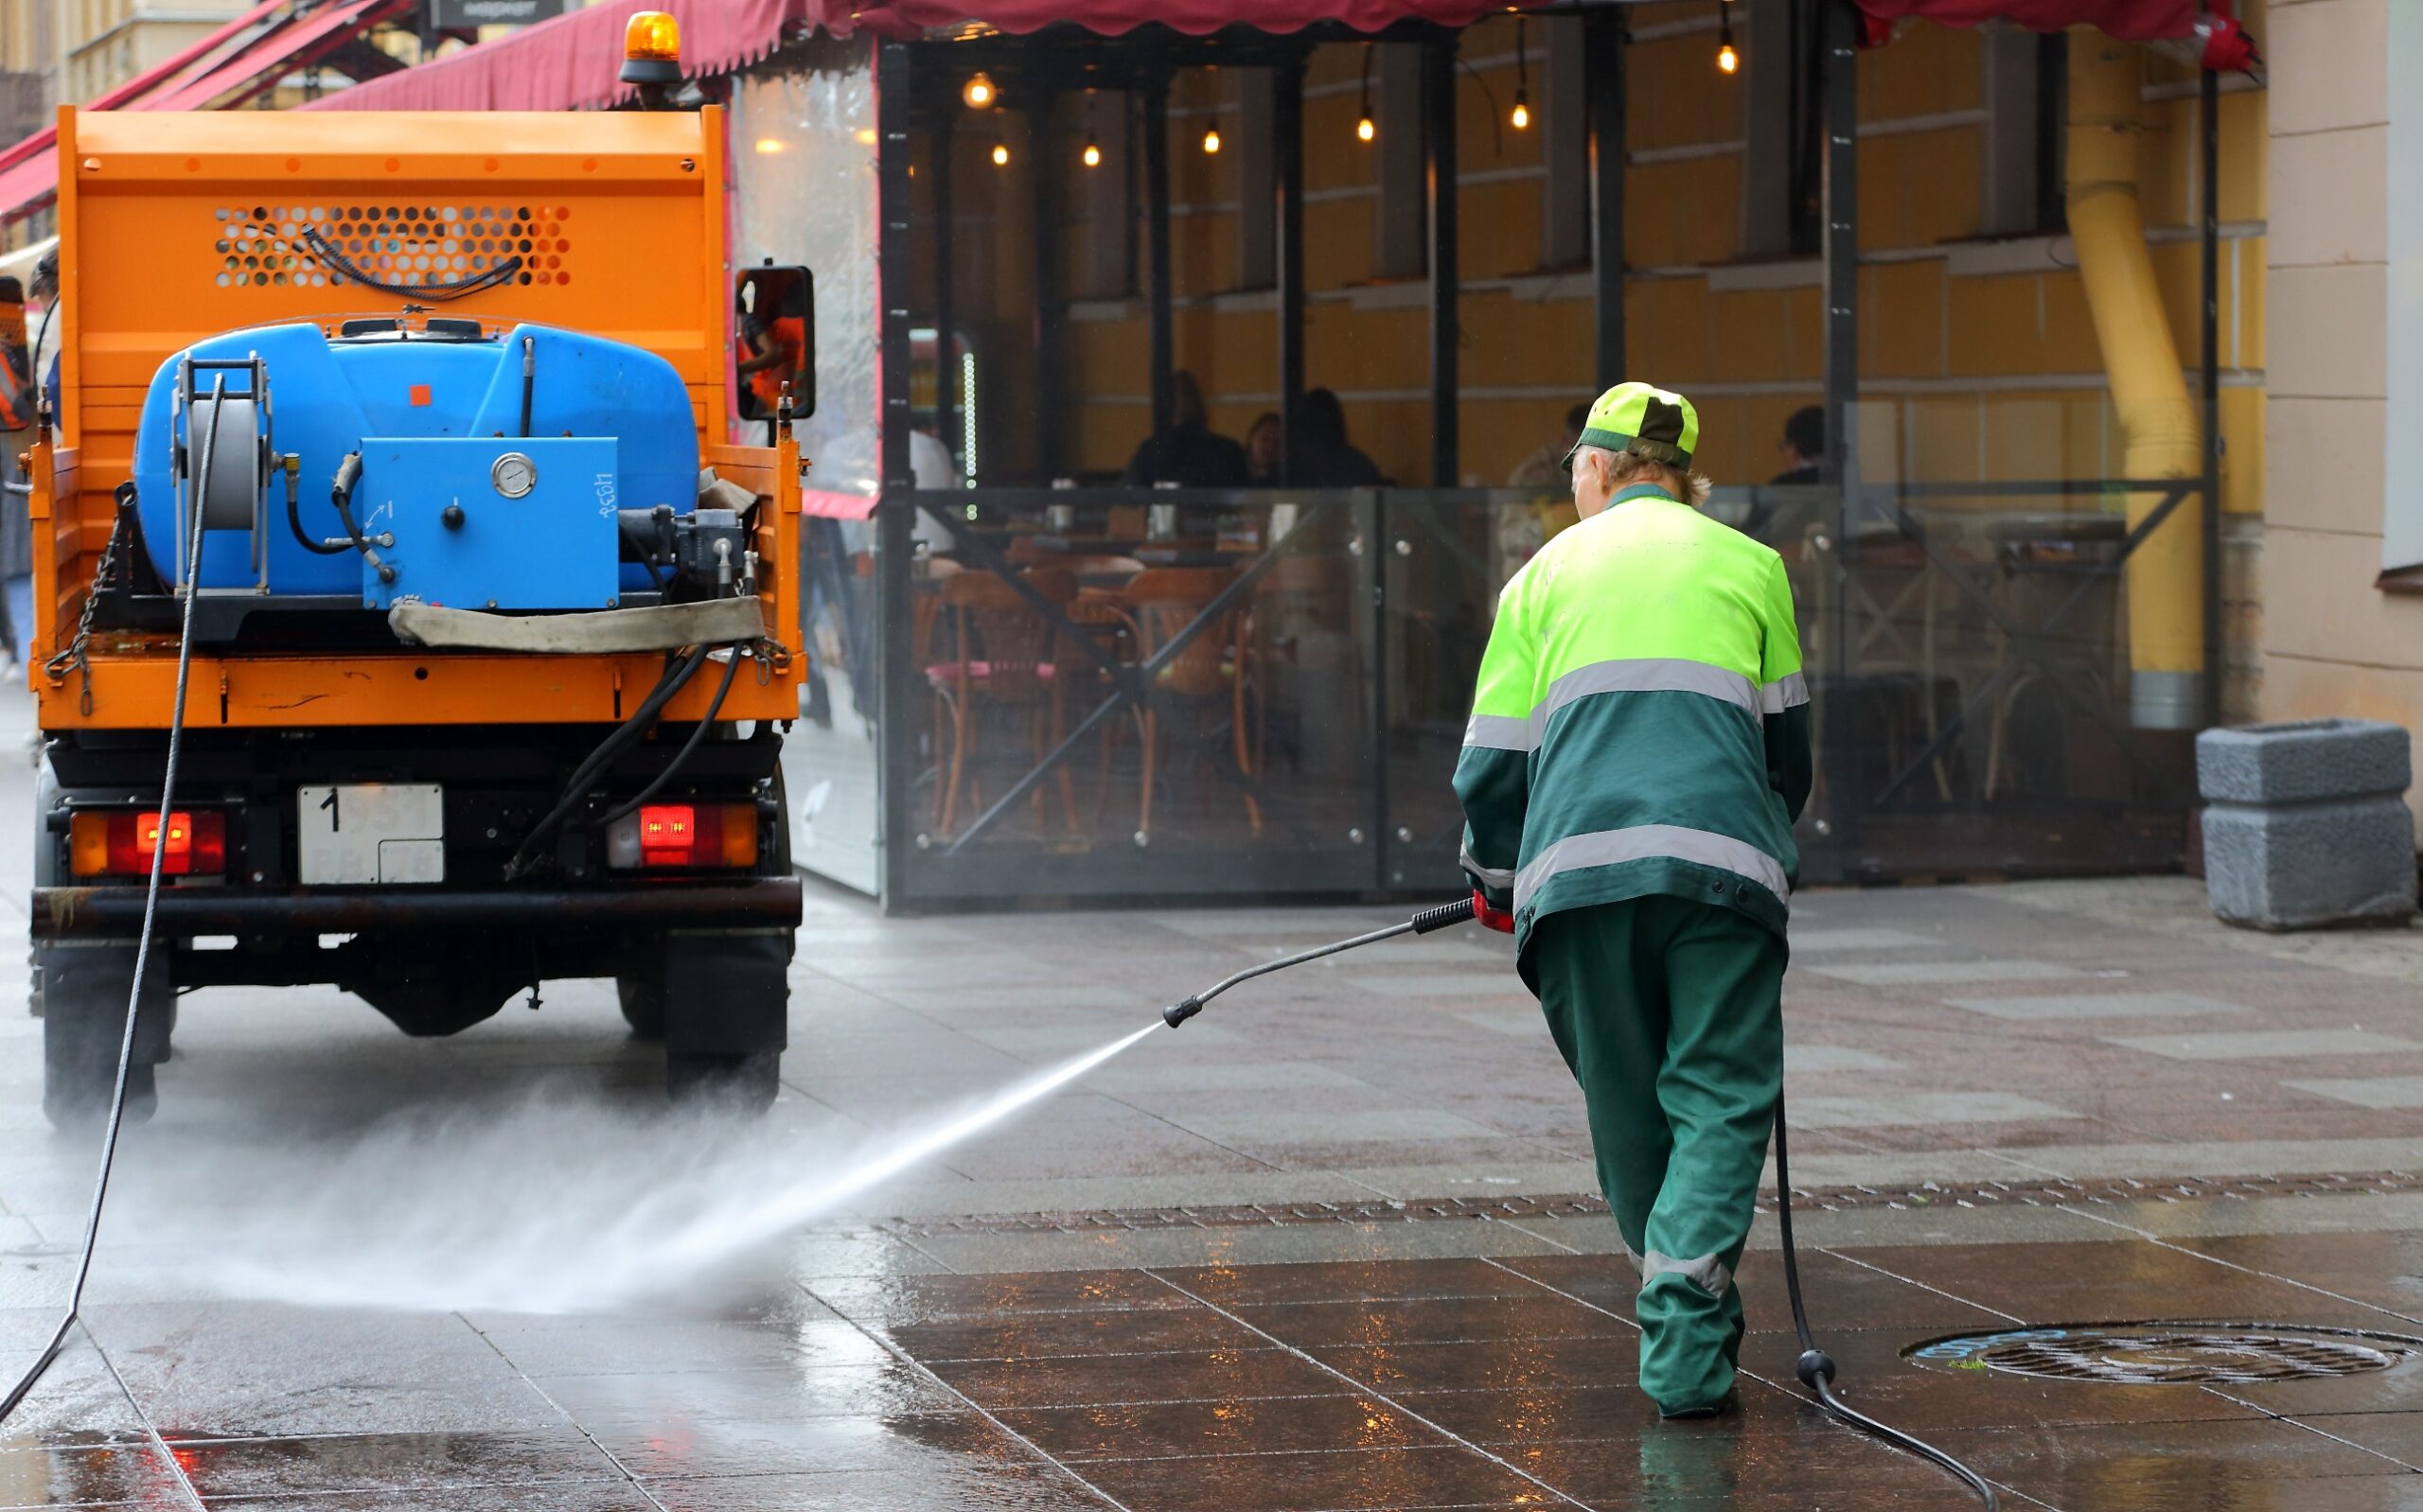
83	913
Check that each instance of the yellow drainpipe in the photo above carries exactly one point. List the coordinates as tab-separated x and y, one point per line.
2158	422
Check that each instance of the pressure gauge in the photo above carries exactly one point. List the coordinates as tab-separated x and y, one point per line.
514	475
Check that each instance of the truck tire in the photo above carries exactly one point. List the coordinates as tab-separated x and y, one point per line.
643	999
84	996
743	1083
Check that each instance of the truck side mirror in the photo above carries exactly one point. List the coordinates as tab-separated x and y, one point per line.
774	340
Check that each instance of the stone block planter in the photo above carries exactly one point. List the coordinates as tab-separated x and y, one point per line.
2307	825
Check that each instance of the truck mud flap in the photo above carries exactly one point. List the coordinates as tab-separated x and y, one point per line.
726	992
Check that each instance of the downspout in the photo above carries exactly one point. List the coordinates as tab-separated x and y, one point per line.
2149	387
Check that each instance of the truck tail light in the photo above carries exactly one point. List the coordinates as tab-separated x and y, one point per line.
684	837
119	843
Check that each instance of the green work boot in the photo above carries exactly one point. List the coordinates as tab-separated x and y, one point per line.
1689	1342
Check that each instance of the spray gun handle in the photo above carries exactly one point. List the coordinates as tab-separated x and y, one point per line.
1440	918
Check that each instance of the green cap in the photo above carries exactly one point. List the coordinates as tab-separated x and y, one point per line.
1645	418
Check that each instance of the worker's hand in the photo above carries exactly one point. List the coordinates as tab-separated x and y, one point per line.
1492	917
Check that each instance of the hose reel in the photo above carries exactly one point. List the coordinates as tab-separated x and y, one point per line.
222	461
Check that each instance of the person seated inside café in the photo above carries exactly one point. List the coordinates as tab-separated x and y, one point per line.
1322	457
1262	451
1188	452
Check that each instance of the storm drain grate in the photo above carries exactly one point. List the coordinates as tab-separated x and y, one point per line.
2159	1355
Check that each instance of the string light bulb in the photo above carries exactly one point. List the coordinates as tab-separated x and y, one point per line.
1728	61
1210	140
1520	117
1365	130
1001	154
979	91
1093	154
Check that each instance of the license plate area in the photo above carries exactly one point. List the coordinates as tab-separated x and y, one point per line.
370	833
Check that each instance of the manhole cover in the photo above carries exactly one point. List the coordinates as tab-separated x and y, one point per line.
2164	1354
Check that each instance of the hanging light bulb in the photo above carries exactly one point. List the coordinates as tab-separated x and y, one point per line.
1727	60
1364	128
1210	140
979	91
1001	154
1520	117
1093	154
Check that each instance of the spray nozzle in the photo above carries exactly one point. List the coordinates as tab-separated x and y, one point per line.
1178	1012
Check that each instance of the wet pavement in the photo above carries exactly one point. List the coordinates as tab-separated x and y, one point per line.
1081	1309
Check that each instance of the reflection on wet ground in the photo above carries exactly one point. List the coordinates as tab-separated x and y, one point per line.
1369	1384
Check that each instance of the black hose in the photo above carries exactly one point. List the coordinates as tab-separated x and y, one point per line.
295	523
529	378
676	677
1816	1368
72	1315
325	251
714	707
341	495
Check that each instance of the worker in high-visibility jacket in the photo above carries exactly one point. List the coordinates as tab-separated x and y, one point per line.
1637	753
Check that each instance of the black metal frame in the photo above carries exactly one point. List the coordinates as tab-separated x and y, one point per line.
917	89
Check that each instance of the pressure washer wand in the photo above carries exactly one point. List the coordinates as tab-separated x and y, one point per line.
1421	924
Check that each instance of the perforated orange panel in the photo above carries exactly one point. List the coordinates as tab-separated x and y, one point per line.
408	245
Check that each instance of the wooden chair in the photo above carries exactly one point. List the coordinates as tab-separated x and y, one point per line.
1205	672
1003	658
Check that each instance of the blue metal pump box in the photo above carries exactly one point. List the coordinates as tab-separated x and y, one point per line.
492	523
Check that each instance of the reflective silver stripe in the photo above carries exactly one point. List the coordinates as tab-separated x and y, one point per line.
1502	732
1707	1272
1639	1266
1578	852
1647	674
1636	674
1788	692
1494	877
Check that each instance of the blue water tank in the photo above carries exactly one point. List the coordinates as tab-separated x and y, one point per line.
328	393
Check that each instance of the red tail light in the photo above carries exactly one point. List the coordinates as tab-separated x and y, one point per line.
685	836
120	843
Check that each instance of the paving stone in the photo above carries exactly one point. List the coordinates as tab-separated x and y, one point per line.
1919	1108
2368	1091
2096	1005
2267	1045
1943	972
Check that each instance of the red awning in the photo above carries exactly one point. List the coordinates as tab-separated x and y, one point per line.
280	52
235	55
568	62
1194	16
2129	20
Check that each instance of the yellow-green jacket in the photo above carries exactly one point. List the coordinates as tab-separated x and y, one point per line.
1641	723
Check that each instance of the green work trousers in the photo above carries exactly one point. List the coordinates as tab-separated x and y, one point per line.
1670	1011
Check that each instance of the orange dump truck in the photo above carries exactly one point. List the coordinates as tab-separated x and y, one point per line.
405	429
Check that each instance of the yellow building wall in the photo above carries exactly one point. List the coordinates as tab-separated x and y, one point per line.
1966	374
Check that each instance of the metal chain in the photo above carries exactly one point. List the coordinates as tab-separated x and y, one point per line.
77	656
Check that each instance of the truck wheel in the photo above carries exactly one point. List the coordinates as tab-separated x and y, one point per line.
743	1083
643	1006
83	1020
